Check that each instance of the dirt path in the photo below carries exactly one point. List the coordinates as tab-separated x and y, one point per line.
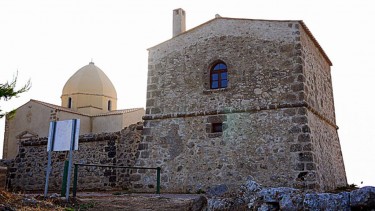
162	202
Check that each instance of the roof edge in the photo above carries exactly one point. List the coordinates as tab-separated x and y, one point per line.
118	112
211	20
60	108
308	32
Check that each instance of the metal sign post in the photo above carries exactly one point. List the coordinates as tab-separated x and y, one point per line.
63	136
51	140
72	140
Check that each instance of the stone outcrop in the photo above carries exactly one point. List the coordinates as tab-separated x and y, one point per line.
252	196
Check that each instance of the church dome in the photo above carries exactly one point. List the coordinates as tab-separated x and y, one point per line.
89	88
90	79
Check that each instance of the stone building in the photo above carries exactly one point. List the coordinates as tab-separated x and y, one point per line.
88	95
233	98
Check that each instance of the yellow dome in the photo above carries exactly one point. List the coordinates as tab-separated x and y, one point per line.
89	88
90	79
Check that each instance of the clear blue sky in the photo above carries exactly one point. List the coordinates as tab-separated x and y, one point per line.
47	41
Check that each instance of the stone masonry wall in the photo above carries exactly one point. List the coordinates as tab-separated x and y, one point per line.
262	69
277	79
325	144
326	149
317	79
266	145
27	170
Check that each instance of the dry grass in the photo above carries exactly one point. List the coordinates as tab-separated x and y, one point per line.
346	188
12	201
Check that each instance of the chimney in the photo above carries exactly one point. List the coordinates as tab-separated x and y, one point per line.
179	23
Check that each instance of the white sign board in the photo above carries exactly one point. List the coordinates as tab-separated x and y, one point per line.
61	136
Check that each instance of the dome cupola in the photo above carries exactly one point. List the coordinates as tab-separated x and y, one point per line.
89	91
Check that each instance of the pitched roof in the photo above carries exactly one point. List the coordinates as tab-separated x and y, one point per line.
60	108
225	18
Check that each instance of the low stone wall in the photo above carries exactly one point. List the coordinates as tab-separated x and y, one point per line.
28	170
3	177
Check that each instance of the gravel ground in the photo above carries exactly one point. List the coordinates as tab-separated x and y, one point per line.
165	202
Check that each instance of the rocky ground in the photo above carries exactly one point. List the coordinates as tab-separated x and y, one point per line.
250	196
253	196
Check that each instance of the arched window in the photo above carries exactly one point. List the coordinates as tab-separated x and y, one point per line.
219	76
69	102
109	105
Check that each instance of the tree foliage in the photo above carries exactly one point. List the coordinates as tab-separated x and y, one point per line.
8	91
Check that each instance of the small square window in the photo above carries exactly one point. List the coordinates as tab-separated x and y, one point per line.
217	128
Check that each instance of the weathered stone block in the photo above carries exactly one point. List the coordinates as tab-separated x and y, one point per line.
135	177
151	87
146	131
306	129
295	129
295	148
291	201
145	154
326	201
299	167
305	156
142	146
214	135
218	190
308	147
150	102
217	119
310	166
363	199
304	138
155	111
138	186
300	119
112	179
112	154
109	148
